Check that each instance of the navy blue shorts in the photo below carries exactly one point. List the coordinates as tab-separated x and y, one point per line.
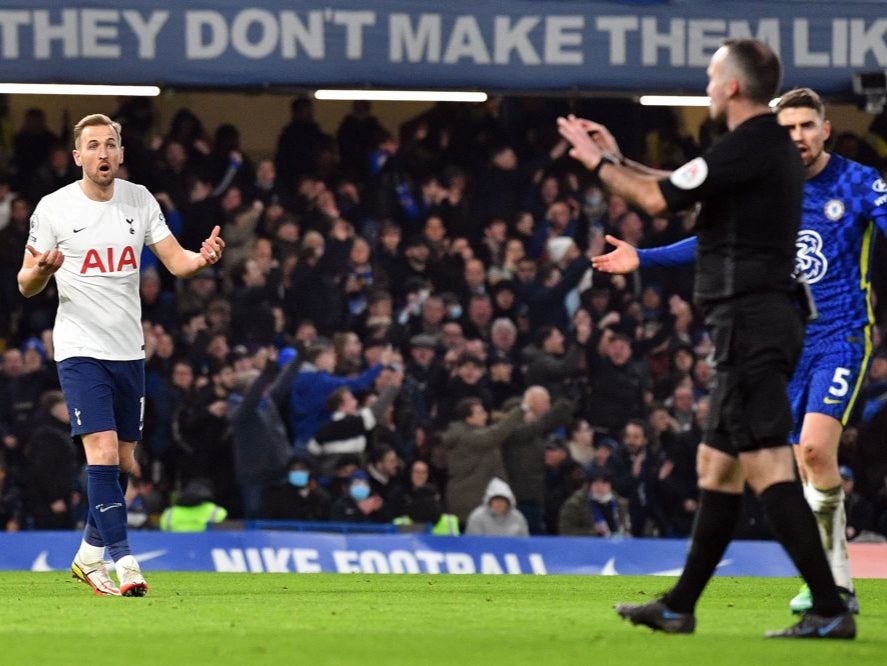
104	395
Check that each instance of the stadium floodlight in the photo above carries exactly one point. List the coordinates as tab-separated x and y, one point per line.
401	95
77	89
674	100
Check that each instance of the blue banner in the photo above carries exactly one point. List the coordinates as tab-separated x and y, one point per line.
257	551
488	44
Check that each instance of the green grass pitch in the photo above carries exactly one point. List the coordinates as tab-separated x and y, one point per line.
234	619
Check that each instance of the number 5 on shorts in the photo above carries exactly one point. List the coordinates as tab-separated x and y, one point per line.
839	385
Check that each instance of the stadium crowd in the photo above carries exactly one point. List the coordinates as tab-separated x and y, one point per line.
403	328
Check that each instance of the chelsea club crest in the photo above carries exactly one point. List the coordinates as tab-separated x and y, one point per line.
834	209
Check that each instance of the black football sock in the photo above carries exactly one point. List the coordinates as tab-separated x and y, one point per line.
792	523
712	531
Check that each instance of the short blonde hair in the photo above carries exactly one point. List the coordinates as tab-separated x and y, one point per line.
94	120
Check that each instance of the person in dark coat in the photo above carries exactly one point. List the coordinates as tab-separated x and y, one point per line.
474	452
524	452
50	466
298	497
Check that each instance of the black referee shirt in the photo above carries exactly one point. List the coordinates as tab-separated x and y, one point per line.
750	185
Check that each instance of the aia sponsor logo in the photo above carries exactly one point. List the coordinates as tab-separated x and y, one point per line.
107	261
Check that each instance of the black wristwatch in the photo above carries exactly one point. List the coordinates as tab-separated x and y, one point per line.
606	158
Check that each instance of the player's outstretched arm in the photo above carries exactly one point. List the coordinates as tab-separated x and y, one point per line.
37	268
623	259
185	263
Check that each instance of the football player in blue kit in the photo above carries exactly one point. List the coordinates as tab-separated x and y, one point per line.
843	203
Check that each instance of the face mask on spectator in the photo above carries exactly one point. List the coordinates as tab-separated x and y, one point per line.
359	491
298	478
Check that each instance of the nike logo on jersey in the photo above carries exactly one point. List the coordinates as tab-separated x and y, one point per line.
832	401
107	507
77	231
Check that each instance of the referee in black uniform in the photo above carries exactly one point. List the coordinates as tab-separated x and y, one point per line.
750	185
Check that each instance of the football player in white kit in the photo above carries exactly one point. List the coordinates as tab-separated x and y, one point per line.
90	235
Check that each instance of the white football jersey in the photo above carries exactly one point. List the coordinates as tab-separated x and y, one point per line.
99	313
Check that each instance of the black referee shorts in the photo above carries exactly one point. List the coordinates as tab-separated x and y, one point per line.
758	340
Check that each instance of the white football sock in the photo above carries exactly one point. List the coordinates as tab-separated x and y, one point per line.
90	553
828	508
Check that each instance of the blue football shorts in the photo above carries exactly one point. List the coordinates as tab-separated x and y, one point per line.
828	380
104	395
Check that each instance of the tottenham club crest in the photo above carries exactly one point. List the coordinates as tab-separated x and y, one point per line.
810	263
834	209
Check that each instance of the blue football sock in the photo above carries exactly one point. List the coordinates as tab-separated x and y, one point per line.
108	508
91	534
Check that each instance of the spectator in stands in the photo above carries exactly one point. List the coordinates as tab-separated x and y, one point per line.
315	383
6	196
300	144
10	499
636	468
261	444
383	467
545	297
207	450
361	504
144	503
593	510
563	476
550	365
298	497
523	452
158	306
681	407
56	172
505	380
474	453
580	441
491	248
417	476
193	510
497	515
356	137
13	238
558	223
617	384
423	509
24	384
32	145
422	371
505	303
350	425
50	466
468	381
860	512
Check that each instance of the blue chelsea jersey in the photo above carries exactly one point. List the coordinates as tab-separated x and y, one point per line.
842	206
